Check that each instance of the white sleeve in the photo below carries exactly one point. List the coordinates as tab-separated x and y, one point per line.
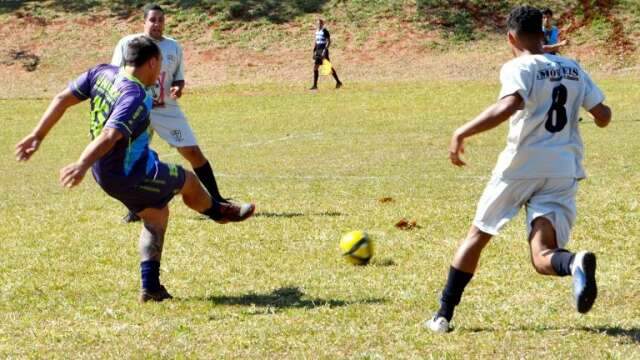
179	74
118	53
592	94
515	78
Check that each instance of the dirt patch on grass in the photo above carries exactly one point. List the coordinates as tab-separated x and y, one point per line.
29	61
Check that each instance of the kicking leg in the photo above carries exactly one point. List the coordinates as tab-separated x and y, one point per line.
150	246
197	198
461	271
202	167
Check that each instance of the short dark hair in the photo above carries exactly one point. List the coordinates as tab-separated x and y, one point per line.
525	20
151	7
547	11
140	50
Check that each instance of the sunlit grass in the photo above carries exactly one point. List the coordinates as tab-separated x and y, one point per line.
275	286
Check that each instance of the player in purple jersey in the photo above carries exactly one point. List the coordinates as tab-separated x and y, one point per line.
121	160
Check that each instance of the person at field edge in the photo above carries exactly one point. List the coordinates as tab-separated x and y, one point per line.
120	158
539	169
551	33
321	52
167	119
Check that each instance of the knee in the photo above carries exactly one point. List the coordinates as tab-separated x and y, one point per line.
194	155
476	239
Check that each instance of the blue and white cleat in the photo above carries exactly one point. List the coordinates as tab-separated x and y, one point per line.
437	324
585	289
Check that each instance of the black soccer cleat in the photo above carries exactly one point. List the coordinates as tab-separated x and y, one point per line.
229	212
585	289
159	295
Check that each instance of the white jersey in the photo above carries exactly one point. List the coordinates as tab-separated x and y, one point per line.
544	140
172	70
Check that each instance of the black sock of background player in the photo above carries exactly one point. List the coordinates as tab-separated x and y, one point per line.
335	76
452	292
205	174
561	262
316	73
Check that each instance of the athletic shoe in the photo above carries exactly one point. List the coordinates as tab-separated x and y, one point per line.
158	295
130	218
338	85
437	324
313	88
585	289
230	212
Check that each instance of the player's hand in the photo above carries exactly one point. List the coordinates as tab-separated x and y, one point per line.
27	147
456	148
72	175
176	92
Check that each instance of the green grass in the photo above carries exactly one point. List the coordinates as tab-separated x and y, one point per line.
275	286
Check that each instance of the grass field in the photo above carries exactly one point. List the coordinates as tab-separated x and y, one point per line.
275	286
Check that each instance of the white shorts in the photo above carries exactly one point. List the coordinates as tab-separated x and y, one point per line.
172	126
554	199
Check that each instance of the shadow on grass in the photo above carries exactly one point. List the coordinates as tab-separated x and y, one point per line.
632	334
384	262
283	298
283	215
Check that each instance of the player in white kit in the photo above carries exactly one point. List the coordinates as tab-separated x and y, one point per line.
167	119
540	168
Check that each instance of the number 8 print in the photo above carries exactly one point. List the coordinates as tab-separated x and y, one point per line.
559	97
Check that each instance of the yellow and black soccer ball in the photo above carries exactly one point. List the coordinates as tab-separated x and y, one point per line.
356	247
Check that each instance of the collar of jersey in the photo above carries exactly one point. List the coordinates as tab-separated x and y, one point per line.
131	77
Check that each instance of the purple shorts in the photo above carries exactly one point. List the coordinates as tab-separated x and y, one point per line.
153	191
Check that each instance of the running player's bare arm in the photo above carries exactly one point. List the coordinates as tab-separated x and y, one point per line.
493	116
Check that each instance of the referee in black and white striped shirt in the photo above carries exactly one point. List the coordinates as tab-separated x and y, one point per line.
321	52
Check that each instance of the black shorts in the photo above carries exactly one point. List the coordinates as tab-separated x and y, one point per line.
318	57
153	191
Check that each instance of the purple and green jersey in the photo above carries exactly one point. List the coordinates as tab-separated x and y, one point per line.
130	171
118	101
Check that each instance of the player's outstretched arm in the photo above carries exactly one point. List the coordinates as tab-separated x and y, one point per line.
601	114
30	143
493	116
72	174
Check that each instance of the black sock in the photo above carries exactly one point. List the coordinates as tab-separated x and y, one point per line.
452	292
150	274
561	261
316	73
335	76
205	174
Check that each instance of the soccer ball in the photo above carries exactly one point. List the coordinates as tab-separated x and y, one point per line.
357	247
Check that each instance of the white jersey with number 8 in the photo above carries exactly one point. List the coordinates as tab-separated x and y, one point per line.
544	140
